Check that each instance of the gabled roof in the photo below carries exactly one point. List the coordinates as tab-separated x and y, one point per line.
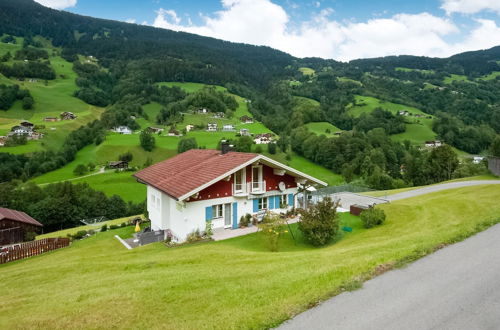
17	216
196	169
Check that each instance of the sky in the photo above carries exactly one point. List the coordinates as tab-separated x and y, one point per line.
336	29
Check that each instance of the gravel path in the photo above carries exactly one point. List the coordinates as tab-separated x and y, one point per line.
456	288
438	187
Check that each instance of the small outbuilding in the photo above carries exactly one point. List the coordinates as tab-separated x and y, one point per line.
16	226
119	164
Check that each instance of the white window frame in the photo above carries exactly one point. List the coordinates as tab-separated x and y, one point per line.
217	211
263	203
283	200
259	177
242	172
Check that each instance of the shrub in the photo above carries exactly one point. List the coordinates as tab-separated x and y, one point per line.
104	227
80	234
80	169
208	229
29	236
113	227
194	236
320	223
273	227
372	217
123	224
245	220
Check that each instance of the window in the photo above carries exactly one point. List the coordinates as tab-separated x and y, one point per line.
263	203
283	201
256	177
155	201
217	211
238	181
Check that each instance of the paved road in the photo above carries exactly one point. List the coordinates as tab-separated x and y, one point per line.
438	187
456	288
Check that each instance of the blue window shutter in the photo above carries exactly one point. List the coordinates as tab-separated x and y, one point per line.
235	215
290	199
208	213
277	201
271	202
256	205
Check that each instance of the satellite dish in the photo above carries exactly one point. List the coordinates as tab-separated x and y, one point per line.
282	186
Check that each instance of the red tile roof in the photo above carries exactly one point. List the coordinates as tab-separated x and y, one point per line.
185	172
17	216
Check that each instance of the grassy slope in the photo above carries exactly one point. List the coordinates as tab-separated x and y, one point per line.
50	100
417	70
418	130
320	128
455	77
307	71
166	146
229	284
491	76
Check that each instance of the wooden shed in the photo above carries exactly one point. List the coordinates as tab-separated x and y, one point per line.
356	209
14	225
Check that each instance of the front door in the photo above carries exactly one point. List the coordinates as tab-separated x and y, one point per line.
227	215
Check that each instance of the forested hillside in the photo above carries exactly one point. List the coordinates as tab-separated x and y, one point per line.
364	121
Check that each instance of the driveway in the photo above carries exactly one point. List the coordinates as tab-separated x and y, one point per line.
439	187
456	288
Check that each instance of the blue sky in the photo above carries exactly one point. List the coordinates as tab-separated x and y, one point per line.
339	29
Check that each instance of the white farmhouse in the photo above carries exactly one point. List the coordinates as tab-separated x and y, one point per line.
212	127
200	185
122	130
228	128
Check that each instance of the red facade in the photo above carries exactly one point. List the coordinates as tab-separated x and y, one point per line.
224	188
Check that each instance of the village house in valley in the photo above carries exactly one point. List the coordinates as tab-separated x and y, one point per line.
122	130
201	185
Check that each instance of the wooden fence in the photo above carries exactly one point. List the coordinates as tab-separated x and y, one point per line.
28	249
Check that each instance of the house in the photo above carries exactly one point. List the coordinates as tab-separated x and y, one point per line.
3	140
245	132
246	120
263	138
21	130
122	130
35	136
27	124
189	128
219	115
202	110
228	128
51	119
201	185
66	115
212	127
119	164
155	130
477	159
403	113
173	132
433	144
15	226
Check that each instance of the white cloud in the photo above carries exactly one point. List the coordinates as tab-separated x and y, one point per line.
57	4
470	6
262	22
131	20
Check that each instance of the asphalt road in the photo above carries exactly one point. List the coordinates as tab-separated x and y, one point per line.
457	287
438	187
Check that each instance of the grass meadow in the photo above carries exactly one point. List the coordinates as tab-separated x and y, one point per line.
232	284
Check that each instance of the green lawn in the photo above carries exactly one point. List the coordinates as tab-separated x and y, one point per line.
345	79
307	71
455	77
237	283
189	87
491	76
320	128
416	70
418	129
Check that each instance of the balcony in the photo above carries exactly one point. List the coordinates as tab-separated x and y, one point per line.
243	189
257	187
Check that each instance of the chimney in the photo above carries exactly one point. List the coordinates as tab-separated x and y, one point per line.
225	147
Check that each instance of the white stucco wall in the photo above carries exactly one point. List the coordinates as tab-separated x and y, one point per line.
184	218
